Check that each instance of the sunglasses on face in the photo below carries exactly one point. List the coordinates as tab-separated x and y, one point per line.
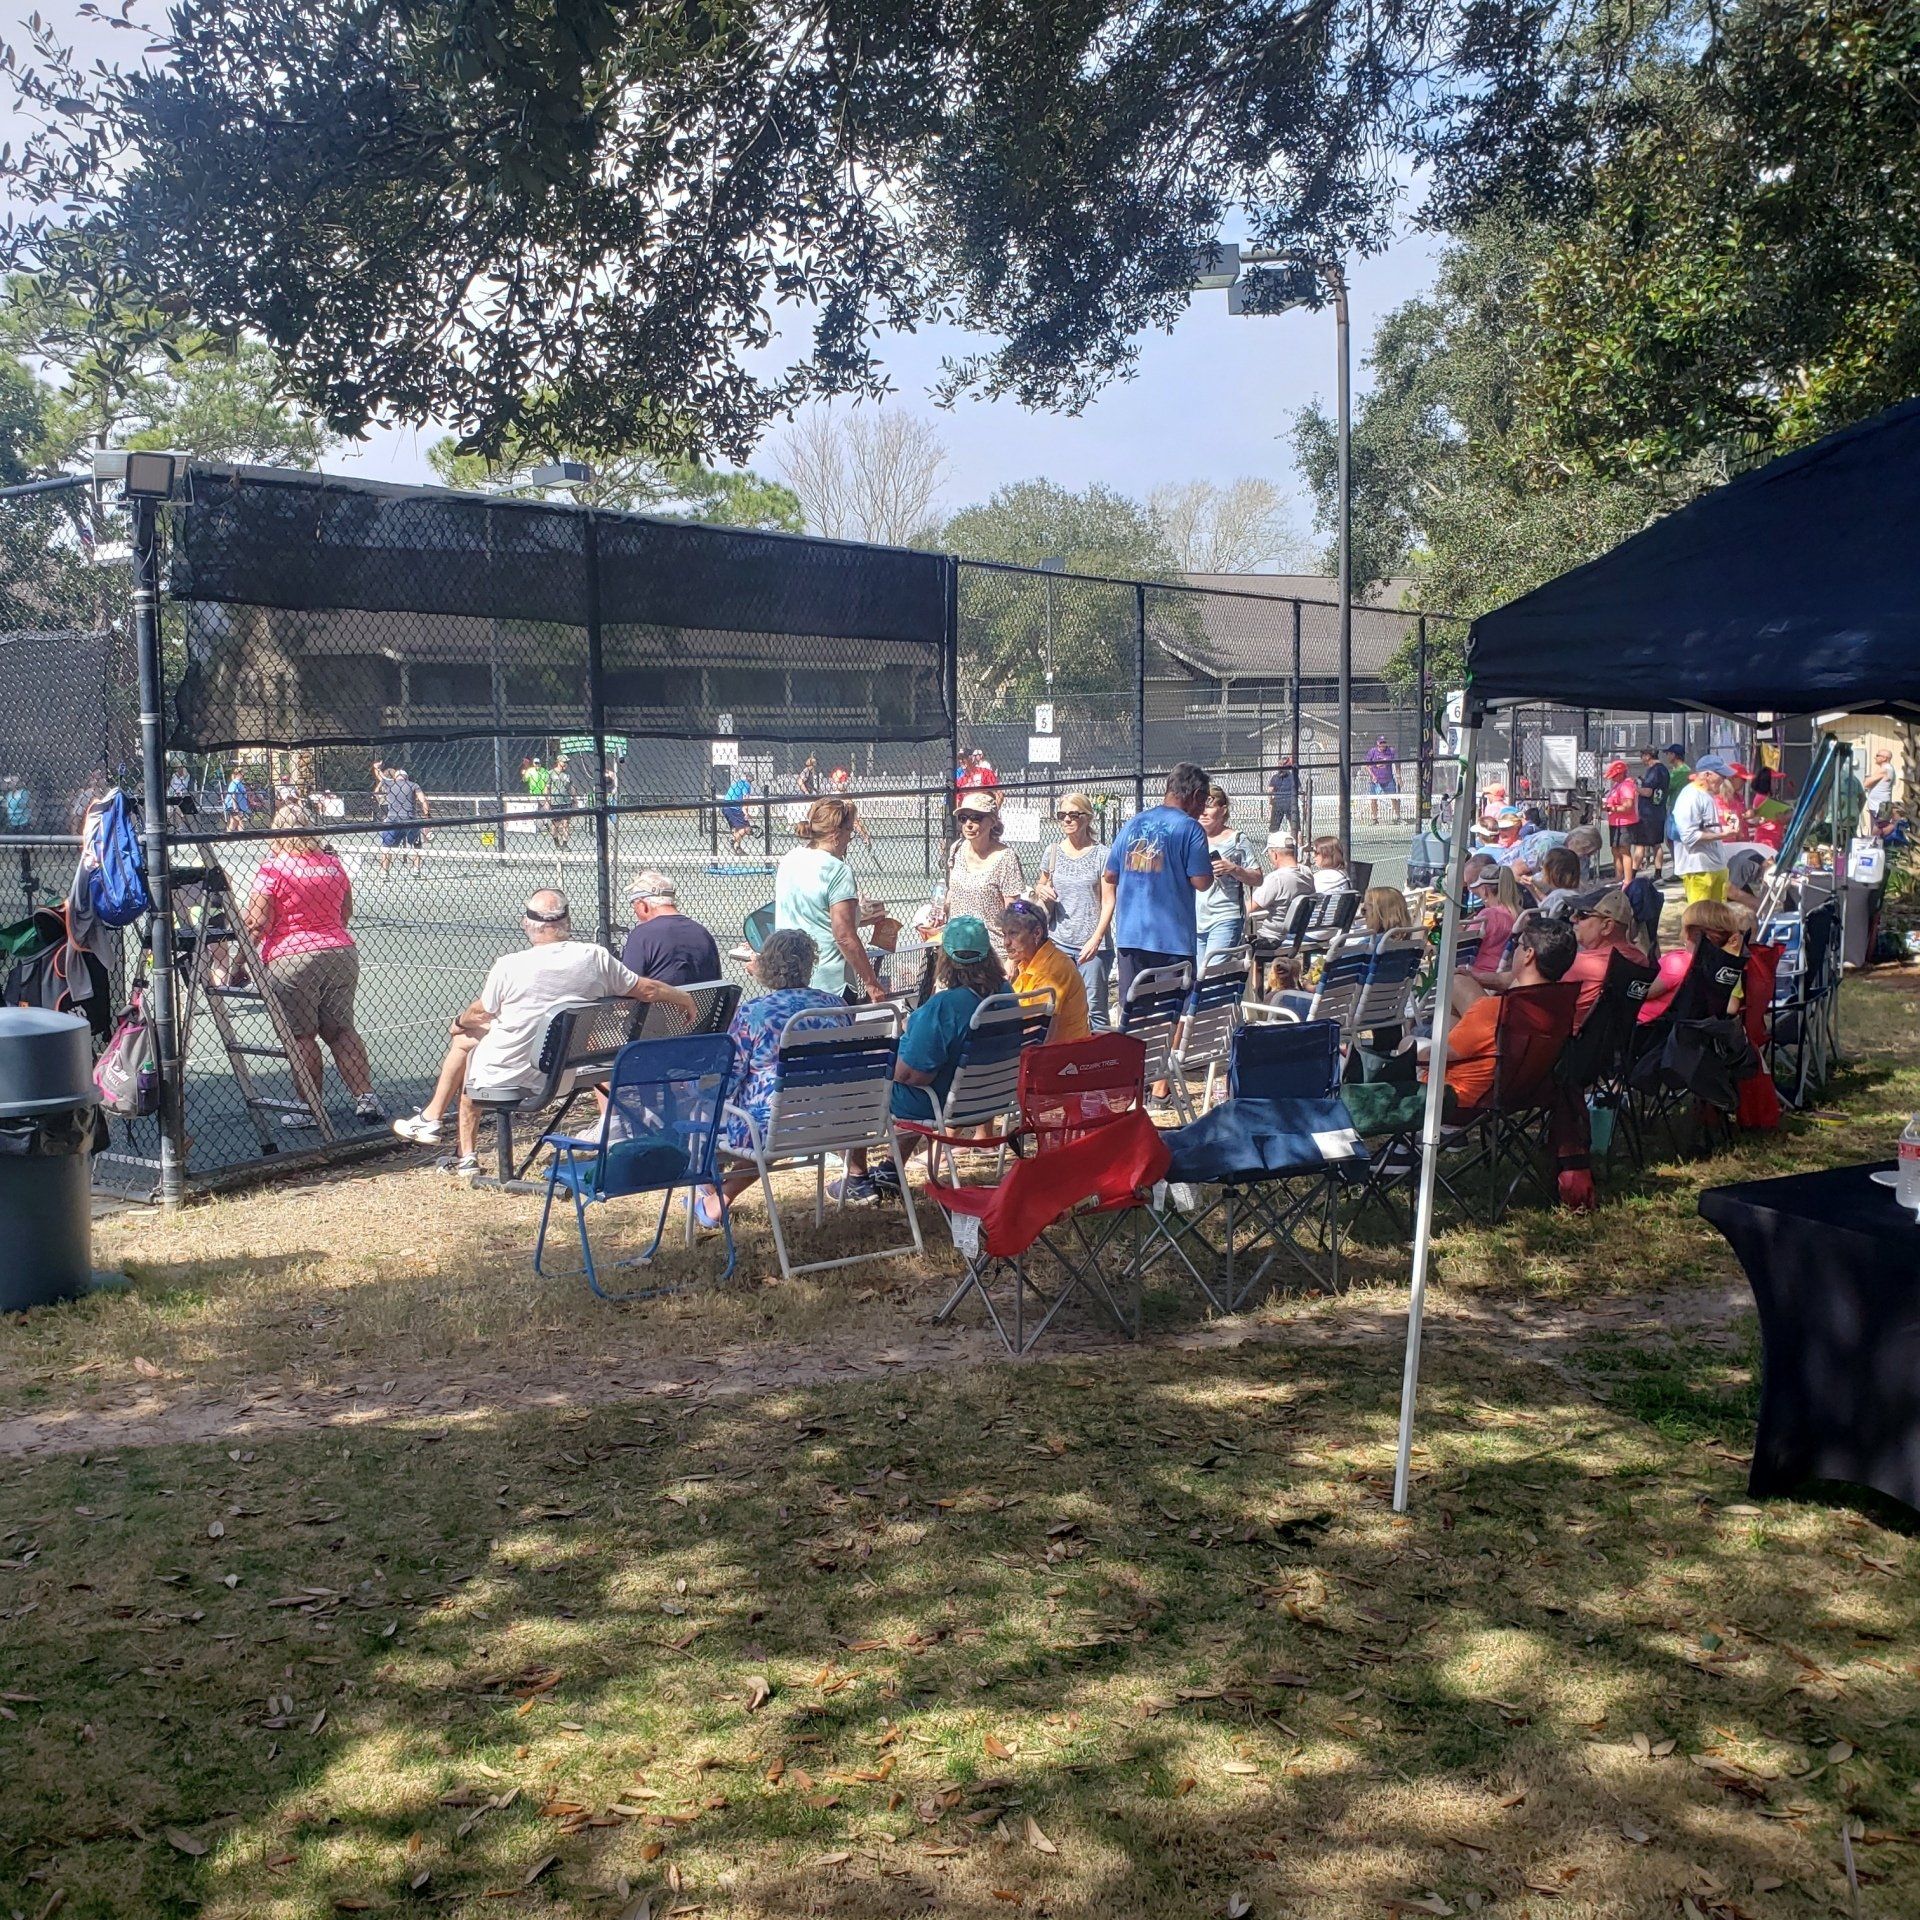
1069	816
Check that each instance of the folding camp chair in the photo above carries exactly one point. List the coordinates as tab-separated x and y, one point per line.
1593	1064
833	1090
1278	1148
664	1103
1205	1038
903	973
1799	1032
1661	1094
1334	996
1156	997
1093	1156
754	930
1502	1138
985	1089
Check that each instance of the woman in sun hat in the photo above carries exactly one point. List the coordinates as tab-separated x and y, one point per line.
984	875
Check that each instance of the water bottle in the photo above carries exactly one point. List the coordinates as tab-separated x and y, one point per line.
1907	1192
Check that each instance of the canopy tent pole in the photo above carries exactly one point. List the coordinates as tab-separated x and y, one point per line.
1842	860
1436	1102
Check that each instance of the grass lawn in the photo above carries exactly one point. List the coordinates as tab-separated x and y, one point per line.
1125	1632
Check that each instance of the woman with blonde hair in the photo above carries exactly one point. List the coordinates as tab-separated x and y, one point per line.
814	893
1705	921
297	913
1069	889
1384	910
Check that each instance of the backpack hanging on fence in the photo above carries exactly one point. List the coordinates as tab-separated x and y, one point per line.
115	863
127	1074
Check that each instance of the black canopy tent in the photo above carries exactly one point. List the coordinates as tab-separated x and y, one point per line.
1794	589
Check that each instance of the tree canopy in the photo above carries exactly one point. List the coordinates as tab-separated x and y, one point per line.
580	220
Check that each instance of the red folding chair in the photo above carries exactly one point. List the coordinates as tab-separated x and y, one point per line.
1503	1138
1090	1159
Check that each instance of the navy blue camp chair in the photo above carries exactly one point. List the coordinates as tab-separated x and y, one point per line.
1279	1149
665	1100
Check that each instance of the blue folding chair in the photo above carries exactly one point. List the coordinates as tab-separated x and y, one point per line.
1279	1149
660	1133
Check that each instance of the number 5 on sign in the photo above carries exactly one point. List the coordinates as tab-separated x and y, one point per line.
1043	716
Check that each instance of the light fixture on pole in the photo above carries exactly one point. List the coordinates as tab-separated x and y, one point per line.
1280	281
572	474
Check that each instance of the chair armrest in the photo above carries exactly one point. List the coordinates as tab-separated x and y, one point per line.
1256	1011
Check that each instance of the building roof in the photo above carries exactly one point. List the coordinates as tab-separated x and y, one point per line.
1241	637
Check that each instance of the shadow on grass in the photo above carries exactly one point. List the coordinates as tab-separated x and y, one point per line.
831	1652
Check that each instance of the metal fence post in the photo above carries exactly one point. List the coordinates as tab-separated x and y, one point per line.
1423	751
1140	696
597	709
166	1030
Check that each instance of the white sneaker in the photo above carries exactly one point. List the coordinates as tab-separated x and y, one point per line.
463	1166
417	1127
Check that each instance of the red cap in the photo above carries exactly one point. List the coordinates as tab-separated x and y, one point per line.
1739	772
1615	768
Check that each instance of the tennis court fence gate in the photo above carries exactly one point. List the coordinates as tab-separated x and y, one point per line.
573	694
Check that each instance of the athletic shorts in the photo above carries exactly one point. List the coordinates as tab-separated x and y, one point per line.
735	817
1704	886
400	837
1645	833
1619	837
316	990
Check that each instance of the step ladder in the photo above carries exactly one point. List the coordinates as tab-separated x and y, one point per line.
205	918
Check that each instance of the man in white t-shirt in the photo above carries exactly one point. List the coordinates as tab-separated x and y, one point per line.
1699	858
496	1041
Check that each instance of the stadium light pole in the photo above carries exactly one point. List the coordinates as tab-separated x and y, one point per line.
1282	281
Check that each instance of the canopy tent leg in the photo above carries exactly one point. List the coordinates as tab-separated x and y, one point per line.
1436	1103
1843	832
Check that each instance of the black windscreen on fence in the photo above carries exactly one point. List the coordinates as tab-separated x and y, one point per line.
316	611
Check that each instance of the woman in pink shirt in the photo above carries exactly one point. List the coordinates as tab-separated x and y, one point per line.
1623	809
297	914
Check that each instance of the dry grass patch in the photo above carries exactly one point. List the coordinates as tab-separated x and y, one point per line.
1125	1635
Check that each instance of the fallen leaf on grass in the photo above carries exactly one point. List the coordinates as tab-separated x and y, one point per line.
1238	1906
186	1843
1186	1786
1238	1766
833	1859
653	1849
998	1748
1637	1836
1839	1751
1037	1840
1427	1903
760	1693
145	1367
539	1867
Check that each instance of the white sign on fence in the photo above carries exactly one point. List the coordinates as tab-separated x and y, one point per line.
1021	824
1560	762
1457	707
1043	749
726	753
1042	716
523	816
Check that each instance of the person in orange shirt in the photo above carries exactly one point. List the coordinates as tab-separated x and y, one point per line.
1543	950
1036	962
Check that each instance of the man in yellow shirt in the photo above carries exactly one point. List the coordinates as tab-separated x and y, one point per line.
1037	963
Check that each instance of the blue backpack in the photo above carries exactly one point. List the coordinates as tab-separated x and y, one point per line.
117	864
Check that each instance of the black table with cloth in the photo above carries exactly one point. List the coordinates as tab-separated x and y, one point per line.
1834	1263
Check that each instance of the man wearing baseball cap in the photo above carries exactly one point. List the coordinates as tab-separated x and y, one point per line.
1698	858
664	944
1603	925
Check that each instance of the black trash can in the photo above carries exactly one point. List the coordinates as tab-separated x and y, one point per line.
47	1111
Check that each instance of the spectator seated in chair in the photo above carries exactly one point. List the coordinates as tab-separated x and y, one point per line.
1603	925
496	1041
1557	888
783	966
1704	920
664	943
1543	951
1038	963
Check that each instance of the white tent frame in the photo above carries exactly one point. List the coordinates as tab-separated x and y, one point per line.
1437	1063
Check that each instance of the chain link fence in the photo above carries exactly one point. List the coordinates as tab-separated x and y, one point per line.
479	697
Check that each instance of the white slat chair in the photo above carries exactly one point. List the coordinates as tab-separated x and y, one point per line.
833	1088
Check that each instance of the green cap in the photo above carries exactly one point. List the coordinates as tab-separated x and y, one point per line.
965	938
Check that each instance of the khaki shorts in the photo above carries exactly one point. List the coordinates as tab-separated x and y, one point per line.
316	989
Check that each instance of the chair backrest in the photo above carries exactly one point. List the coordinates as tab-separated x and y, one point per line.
1533	1026
1360	872
714	1004
1213	1010
1386	993
1786	933
1074	1087
986	1078
833	1080
1331	915
1706	989
665	1099
1820	949
1600	1050
1156	998
1343	977
1285	1060
757	925
581	1040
